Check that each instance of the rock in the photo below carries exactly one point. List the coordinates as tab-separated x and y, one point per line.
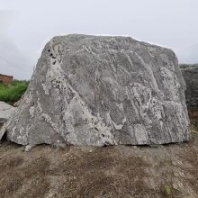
28	148
190	73
16	104
94	90
5	111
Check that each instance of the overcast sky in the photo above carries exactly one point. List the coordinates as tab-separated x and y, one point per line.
26	26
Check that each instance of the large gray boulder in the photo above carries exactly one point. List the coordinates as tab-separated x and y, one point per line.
190	73
94	90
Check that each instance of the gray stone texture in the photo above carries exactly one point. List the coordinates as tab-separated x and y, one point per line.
95	90
5	112
190	73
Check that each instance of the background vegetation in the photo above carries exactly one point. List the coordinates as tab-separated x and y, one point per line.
12	93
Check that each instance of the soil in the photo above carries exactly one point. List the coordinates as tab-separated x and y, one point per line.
113	171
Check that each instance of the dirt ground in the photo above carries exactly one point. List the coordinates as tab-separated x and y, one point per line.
114	171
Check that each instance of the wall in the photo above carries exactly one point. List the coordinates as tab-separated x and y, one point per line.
6	79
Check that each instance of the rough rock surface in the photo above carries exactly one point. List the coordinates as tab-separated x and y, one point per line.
190	73
5	112
94	90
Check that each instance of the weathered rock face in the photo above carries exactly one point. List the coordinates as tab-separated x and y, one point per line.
190	73
5	112
93	90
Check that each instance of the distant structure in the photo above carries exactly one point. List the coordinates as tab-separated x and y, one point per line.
6	79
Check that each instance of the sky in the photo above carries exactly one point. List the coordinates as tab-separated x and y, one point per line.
26	26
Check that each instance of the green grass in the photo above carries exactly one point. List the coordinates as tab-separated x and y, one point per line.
12	93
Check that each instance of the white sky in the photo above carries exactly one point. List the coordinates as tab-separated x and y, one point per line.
26	26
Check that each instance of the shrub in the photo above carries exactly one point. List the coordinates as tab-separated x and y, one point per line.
12	93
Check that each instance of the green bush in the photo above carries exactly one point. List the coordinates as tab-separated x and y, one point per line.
12	93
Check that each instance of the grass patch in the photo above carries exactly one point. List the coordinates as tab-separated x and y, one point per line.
12	93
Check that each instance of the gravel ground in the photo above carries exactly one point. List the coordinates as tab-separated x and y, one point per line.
113	171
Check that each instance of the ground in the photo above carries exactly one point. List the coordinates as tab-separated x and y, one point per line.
114	171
